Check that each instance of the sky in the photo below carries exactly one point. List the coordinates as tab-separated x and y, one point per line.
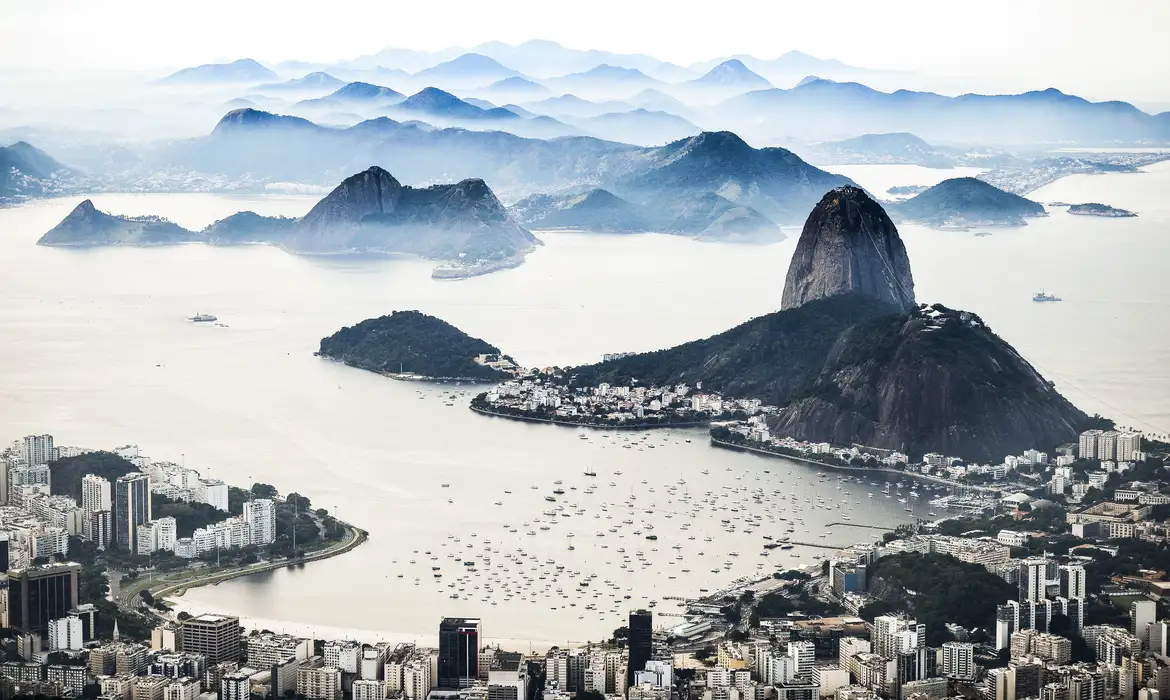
1115	49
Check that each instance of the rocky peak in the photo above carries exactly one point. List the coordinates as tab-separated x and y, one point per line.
372	191
849	245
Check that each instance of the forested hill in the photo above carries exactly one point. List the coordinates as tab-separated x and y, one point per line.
411	341
936	589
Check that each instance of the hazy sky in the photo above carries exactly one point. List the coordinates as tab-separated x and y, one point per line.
1114	48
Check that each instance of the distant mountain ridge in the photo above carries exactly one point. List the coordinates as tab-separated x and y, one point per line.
244	70
825	108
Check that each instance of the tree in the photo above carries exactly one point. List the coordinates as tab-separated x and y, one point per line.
264	490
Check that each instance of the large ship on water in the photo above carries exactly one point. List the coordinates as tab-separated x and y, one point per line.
204	318
1043	296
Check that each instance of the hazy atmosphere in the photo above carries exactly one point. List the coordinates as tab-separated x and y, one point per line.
533	350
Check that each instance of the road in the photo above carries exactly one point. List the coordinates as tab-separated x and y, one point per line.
126	593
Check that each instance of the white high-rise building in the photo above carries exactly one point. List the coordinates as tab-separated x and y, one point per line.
958	660
166	532
1087	445
37	449
260	514
1072	581
416	680
369	690
343	654
1129	446
1107	445
65	633
95	496
1142	614
1033	579
893	635
803	653
213	492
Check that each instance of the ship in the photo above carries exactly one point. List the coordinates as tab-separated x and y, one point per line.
203	318
1042	296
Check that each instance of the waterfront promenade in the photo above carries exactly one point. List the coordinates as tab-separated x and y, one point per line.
866	470
576	424
178	582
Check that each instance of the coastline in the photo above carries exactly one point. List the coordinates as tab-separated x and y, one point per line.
576	424
411	376
837	467
188	579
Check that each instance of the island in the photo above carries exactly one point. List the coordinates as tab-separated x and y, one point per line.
962	202
462	224
413	345
1095	209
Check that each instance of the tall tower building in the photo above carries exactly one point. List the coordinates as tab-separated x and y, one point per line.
641	643
131	508
458	652
215	636
1073	582
37	596
95	496
1128	446
1107	445
1087	445
1033	580
958	660
1142	614
260	514
37	449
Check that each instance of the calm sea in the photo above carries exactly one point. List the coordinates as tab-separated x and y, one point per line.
97	351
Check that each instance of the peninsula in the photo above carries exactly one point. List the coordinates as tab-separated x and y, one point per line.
852	358
413	345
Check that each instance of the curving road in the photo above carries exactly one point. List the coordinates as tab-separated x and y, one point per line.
126	593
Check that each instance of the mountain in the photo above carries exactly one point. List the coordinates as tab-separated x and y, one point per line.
963	201
702	214
515	89
658	101
828	110
595	210
936	380
248	119
895	148
434	102
413	342
249	227
357	93
846	366
639	126
86	226
772	181
468	69
244	70
849	246
546	59
606	80
569	105
26	170
371	211
319	80
732	74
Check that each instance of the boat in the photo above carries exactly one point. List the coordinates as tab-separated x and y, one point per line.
1043	296
651	537
203	318
590	472
559	492
550	498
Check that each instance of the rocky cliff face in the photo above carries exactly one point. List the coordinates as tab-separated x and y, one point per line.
934	380
849	246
